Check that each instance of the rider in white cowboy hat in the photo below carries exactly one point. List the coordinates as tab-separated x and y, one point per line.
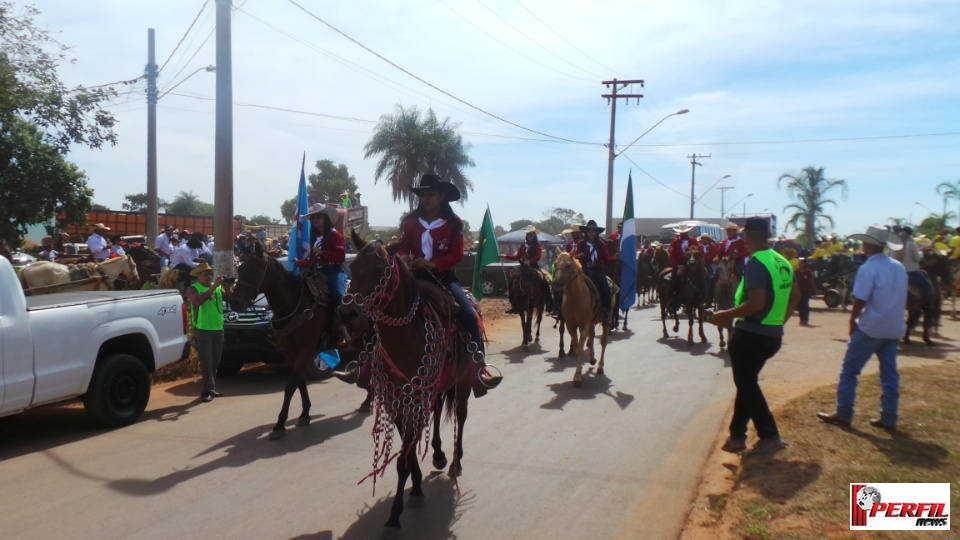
575	236
324	263
99	246
734	247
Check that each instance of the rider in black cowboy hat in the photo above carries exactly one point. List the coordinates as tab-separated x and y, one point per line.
593	256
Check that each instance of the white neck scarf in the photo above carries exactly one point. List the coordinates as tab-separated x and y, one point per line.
426	241
593	252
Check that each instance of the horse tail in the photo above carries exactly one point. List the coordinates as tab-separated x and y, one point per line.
450	398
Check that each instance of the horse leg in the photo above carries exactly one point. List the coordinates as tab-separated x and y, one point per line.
364	407
279	430
625	315
524	324
592	334
304	419
439	458
690	315
603	348
911	321
563	353
577	339
539	320
927	320
722	342
404	470
663	320
462	395
676	321
703	337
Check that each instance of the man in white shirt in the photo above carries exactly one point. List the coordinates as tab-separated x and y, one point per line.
99	246
161	246
910	258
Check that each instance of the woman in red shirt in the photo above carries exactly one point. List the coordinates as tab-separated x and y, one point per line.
431	237
327	252
594	257
529	251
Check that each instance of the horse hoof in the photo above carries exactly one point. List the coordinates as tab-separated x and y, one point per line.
416	501
525	348
593	361
364	408
930	344
303	421
562	354
455	471
390	533
277	434
577	384
439	462
600	371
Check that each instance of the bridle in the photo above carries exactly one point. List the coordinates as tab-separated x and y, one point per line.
373	304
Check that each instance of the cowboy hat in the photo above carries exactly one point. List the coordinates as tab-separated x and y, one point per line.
566	231
656	243
97	226
706	236
575	227
683	228
432	181
201	268
320	208
879	237
732	225
592	226
531	229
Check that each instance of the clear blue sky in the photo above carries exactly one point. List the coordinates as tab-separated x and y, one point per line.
868	90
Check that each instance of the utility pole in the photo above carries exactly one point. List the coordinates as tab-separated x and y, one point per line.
223	148
693	175
150	72
723	191
612	98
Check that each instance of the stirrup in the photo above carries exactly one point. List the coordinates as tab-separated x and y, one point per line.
351	373
492	381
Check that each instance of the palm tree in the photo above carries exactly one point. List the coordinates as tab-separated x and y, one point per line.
409	146
948	191
808	191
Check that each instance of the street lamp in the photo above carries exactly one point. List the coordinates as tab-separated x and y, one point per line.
613	155
708	191
744	204
208	69
932	213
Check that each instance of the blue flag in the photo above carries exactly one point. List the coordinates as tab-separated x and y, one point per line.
628	252
299	244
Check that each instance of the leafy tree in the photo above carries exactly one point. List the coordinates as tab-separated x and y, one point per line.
37	183
520	224
410	145
933	224
949	191
499	231
467	233
39	119
326	185
551	225
137	202
187	203
260	219
808	191
565	215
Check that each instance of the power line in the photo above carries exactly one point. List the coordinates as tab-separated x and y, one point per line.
438	89
684	195
185	64
565	39
195	19
803	141
517	30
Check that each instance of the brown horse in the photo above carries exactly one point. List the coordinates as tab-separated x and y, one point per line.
646	280
417	364
528	284
581	312
693	289
148	262
300	323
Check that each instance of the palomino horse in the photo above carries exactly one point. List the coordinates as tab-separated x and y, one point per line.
116	273
726	290
417	362
529	294
581	312
300	323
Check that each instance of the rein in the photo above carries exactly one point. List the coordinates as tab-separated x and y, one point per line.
300	316
373	304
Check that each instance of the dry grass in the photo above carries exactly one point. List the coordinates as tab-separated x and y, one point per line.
184	369
801	492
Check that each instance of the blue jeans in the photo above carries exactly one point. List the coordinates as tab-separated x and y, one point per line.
859	350
466	317
336	281
919	280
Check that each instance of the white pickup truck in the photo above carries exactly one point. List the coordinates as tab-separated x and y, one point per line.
101	346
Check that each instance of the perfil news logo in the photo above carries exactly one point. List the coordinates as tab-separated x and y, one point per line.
900	507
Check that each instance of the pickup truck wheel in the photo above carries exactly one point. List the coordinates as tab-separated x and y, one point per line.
119	390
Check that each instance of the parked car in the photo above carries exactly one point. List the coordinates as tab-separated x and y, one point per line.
248	338
98	345
494	275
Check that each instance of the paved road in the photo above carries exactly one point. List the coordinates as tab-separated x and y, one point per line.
618	458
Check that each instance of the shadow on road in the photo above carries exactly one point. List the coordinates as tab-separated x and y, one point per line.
593	386
257	380
243	449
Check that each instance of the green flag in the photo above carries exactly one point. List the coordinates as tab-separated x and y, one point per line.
487	253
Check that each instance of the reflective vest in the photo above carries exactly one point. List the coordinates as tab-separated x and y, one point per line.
781	276
210	314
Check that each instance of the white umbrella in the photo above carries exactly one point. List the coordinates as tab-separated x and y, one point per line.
519	236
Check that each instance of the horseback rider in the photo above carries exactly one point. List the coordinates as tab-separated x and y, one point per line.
592	253
910	257
711	254
325	260
734	247
678	251
432	238
530	253
576	235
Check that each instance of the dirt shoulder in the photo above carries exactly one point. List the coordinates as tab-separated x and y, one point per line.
810	358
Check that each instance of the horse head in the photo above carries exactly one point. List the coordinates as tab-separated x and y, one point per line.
130	270
565	269
251	275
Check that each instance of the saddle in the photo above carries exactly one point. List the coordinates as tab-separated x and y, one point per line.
318	288
85	271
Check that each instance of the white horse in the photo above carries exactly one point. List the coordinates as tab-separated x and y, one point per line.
44	273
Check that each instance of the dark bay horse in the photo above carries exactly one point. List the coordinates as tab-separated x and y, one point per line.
693	289
646	280
300	323
148	262
529	291
615	272
417	363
